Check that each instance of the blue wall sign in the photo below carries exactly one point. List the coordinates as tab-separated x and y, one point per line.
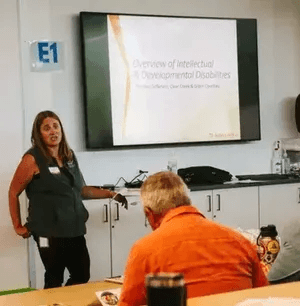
46	56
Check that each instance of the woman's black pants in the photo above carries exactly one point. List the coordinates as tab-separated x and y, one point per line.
62	253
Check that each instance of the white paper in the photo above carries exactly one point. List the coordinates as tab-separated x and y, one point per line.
271	301
116	280
44	242
54	170
242	182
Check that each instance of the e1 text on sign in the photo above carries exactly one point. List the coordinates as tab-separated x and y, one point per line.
46	56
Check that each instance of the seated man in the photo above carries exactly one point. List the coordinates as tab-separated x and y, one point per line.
212	257
286	267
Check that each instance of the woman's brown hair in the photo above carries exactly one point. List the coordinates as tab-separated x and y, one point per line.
64	151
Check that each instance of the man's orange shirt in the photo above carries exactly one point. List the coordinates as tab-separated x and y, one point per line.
212	257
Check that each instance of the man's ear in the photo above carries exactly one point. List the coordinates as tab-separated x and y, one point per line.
147	211
149	214
151	217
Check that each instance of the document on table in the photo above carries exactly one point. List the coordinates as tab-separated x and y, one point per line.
271	301
116	279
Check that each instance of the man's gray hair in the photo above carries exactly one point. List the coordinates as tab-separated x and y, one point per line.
163	191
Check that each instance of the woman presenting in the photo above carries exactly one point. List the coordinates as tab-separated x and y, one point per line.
54	185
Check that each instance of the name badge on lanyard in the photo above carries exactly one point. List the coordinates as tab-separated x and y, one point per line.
44	242
54	170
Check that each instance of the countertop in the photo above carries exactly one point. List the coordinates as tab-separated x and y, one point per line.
250	181
238	182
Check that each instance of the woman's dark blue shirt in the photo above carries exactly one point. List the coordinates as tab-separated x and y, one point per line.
55	202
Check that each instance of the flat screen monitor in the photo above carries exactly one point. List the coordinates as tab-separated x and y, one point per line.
166	80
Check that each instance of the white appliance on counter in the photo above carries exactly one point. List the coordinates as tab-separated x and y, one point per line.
292	148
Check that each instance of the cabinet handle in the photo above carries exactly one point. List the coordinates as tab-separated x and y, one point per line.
298	195
209	203
118	216
106	213
219	202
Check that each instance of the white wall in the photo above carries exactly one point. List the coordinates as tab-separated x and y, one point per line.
13	253
279	76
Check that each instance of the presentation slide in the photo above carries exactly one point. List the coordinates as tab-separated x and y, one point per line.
173	79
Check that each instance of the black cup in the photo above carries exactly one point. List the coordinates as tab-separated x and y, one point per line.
165	289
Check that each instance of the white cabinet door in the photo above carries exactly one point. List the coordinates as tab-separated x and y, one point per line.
236	207
279	204
98	238
203	201
127	227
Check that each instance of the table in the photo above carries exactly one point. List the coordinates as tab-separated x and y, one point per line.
234	297
78	295
84	295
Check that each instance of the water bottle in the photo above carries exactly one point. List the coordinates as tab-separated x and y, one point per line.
277	161
287	164
165	289
268	245
172	165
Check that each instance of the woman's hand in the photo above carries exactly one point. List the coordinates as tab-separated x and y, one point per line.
23	232
120	198
97	192
22	177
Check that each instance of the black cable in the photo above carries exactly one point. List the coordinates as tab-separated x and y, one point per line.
131	184
121	178
135	182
